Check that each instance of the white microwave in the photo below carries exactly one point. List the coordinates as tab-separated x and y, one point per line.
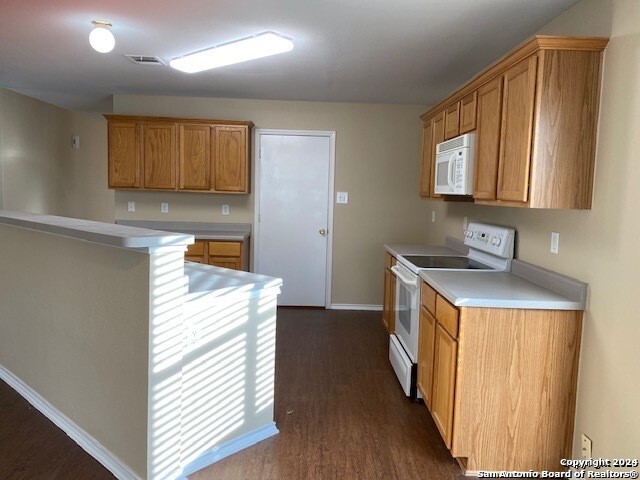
453	172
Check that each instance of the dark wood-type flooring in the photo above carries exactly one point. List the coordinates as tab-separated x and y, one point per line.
340	412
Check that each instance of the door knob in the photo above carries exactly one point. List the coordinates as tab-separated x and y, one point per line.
323	231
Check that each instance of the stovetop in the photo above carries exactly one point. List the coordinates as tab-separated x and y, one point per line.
446	262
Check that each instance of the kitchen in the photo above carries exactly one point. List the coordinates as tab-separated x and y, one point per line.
596	245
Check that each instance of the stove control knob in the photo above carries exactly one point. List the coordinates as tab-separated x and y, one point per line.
496	241
468	233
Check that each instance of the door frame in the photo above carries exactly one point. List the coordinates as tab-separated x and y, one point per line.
256	203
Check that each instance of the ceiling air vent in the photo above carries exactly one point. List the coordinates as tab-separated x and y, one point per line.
145	60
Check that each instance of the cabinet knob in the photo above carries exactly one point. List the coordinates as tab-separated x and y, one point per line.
323	231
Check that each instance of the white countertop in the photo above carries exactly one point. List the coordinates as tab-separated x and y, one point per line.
526	286
200	230
497	290
97	232
218	281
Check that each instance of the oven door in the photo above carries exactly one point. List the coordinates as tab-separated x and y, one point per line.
407	311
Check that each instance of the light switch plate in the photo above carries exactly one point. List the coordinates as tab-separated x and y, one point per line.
75	141
131	207
465	222
225	209
164	207
555	241
433	216
342	197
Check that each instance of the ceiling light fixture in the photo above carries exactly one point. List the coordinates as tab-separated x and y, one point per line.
101	38
257	46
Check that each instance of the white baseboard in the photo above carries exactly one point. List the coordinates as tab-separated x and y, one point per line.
355	306
82	438
229	448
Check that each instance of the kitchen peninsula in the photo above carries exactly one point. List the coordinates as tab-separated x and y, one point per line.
156	366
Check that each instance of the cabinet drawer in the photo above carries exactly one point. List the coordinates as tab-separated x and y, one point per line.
196	259
196	249
447	316
428	297
225	249
225	262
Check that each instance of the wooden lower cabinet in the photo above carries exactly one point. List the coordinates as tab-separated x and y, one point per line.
389	294
227	254
425	355
503	389
445	359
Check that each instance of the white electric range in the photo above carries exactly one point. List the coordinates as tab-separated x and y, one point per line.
490	250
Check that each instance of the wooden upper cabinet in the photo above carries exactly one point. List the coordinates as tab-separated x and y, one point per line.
518	100
125	155
230	166
488	139
160	145
468	109
195	157
428	151
163	153
545	94
452	121
438	137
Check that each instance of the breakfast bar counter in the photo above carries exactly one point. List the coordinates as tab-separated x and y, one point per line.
155	366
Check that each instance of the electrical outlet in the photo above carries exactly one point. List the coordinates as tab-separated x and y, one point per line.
342	197
164	207
465	222
131	207
555	240
225	209
586	447
433	216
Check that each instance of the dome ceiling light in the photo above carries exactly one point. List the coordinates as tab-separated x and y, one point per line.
101	38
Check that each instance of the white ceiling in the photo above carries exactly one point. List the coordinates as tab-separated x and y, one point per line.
381	51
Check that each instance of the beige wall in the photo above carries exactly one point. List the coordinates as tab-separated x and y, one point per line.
377	162
74	326
599	246
40	172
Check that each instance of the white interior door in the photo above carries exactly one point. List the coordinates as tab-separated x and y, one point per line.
295	186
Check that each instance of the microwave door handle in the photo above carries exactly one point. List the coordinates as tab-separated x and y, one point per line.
407	281
450	173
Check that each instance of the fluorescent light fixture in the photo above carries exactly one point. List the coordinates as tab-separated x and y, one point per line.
257	46
101	38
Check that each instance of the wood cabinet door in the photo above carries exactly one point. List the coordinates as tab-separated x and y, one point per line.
452	121
125	155
488	140
444	381
468	108
438	137
231	159
516	130
392	304
160	155
428	152
386	299
426	346
195	157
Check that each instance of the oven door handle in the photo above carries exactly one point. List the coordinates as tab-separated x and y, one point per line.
407	281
